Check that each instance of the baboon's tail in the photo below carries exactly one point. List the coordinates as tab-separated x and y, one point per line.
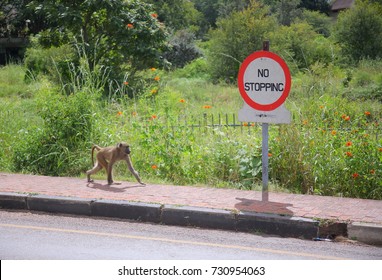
94	147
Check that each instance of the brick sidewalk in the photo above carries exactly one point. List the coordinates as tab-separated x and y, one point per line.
309	206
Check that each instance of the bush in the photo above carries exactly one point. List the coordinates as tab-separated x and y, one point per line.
52	61
359	31
301	46
183	49
196	69
56	148
366	81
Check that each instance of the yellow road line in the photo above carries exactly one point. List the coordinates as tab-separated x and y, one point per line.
184	242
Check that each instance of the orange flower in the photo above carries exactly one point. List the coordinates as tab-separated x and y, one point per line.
130	26
134	114
182	101
157	78
269	154
380	149
245	124
153	69
154	15
372	171
367	113
349	154
347	118
305	122
125	83
334	132
153	117
154	91
348	144
355	175
207	107
154	166
119	113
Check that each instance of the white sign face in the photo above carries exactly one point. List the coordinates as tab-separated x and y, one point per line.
264	83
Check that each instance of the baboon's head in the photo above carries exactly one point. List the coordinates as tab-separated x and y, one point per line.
125	148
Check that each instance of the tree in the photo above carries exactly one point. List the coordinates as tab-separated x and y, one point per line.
176	14
287	11
235	37
321	23
213	9
301	46
113	32
209	9
359	31
13	20
182	50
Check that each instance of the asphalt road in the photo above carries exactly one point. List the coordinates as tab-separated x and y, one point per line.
37	236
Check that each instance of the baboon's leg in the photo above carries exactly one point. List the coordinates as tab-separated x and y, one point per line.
133	171
110	174
95	169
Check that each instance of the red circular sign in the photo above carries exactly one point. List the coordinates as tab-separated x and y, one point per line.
259	100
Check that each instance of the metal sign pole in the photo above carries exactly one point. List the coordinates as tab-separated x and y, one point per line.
265	149
264	159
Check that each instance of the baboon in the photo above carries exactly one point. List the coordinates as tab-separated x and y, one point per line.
107	156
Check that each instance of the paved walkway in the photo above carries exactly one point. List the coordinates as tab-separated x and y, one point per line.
308	206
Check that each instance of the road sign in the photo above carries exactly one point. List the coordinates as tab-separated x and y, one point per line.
264	83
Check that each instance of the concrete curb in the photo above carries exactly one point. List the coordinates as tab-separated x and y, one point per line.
64	205
366	233
285	226
127	210
198	217
13	200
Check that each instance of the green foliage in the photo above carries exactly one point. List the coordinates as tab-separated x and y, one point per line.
53	61
12	18
177	14
213	9
365	82
55	148
359	31
321	23
12	82
16	116
287	10
235	38
301	46
182	49
113	31
196	69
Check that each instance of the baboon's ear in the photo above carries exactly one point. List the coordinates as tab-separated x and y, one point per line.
119	145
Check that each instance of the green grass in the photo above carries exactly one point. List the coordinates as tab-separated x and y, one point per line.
12	82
